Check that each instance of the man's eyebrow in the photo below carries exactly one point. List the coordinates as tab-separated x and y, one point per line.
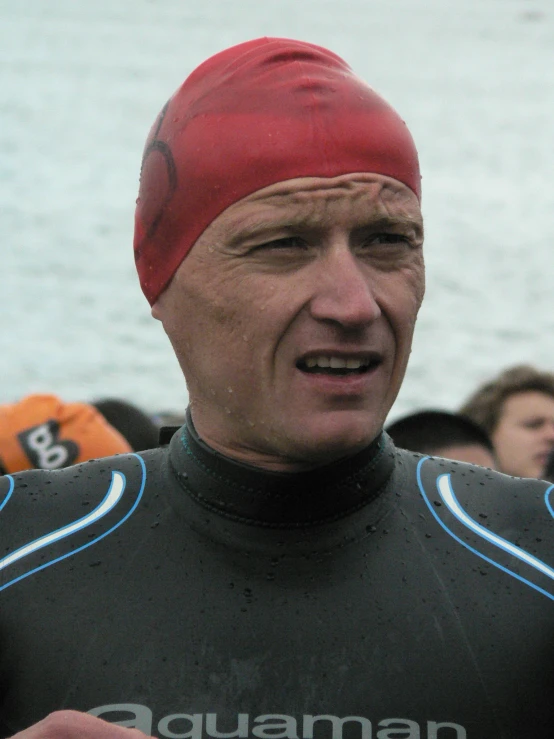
255	226
386	221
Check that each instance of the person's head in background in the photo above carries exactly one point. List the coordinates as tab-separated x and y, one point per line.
443	434
42	431
132	423
516	409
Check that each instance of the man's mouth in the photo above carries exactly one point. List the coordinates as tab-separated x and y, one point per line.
333	365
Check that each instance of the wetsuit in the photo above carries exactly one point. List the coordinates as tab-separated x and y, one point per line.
387	596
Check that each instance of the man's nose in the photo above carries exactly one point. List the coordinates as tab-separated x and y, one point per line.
343	293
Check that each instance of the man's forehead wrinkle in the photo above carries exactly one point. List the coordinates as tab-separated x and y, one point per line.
378	195
402	209
313	203
404	215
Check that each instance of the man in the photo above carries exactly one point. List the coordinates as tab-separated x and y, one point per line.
279	570
443	434
517	410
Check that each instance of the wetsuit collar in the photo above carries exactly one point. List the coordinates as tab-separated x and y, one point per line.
251	495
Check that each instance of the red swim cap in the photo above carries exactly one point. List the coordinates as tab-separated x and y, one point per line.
262	112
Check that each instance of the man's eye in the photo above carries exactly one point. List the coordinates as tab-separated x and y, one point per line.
287	242
387	238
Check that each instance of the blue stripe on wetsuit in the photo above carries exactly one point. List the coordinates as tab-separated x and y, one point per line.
446	492
111	499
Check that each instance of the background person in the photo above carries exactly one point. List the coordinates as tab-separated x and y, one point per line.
443	434
140	431
42	431
516	409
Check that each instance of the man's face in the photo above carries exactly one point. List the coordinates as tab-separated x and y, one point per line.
292	318
524	435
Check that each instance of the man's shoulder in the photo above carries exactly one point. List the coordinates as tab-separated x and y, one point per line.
45	514
506	521
72	485
472	481
479	489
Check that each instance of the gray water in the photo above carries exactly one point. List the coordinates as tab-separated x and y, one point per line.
81	84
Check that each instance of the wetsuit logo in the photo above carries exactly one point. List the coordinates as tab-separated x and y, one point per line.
45	450
274	725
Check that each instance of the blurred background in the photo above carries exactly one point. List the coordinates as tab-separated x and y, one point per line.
82	83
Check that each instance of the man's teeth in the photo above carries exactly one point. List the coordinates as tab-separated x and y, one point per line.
335	363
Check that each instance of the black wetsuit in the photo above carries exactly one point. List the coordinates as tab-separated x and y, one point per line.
387	596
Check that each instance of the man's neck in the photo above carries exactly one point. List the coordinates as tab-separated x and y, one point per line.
275	460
